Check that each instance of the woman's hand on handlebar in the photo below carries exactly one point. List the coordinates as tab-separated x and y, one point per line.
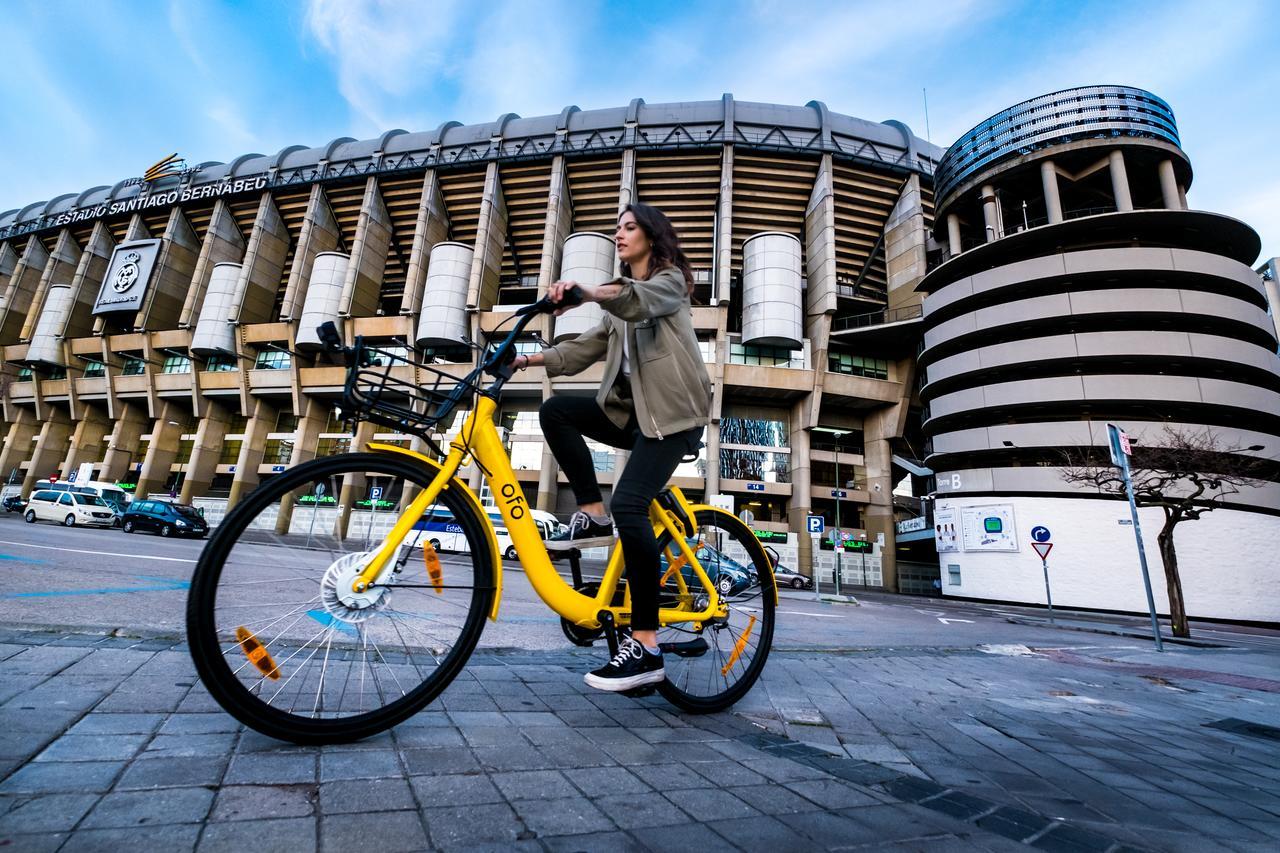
560	292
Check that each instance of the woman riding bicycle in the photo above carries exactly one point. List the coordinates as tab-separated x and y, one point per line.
655	401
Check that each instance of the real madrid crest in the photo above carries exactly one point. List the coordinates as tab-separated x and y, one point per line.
127	274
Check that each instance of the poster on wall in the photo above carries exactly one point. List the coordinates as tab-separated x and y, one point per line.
989	528
946	524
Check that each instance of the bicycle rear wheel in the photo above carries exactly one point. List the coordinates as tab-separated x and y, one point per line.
712	667
277	634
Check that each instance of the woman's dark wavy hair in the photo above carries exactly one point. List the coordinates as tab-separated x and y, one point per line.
665	243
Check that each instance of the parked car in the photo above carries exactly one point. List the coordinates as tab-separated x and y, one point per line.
13	503
68	508
795	580
165	518
729	576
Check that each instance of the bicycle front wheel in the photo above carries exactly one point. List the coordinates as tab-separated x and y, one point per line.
278	635
713	666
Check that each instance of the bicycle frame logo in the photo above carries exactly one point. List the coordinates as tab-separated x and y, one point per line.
514	499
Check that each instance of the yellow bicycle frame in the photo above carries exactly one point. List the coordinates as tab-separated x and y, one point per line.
480	440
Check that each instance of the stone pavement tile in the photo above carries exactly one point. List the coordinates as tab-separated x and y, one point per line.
470	825
515	756
1061	809
583	718
47	813
665	777
78	776
367	764
530	719
1232	808
45	842
425	736
467	719
631	811
563	816
256	802
93	748
553	736
533	785
725	774
704	804
95	723
49	720
598	842
171	839
778	769
481	735
108	662
773	799
760	833
467	702
142	701
164	805
199	702
280	835
1072	839
683	838
1014	823
455	790
569	755
57	694
440	761
175	745
180	772
1216	826
427	717
200	724
607	735
828	829
356	795
42	660
1269	828
601	781
269	768
390	832
251	741
831	793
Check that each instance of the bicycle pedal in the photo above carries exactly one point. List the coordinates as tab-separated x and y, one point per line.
689	649
641	691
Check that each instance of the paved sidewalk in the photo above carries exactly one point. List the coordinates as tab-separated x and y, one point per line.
109	743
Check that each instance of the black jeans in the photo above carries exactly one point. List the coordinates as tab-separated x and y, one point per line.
565	423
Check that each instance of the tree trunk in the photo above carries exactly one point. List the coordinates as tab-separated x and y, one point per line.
1169	556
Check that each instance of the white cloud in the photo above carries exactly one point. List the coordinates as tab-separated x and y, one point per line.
384	50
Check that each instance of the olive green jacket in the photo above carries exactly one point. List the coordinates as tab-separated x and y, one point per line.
670	389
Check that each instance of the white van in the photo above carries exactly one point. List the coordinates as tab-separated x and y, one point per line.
110	494
68	508
445	534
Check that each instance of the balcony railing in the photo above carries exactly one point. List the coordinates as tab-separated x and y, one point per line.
879	318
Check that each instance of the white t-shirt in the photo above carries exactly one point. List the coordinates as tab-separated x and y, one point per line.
626	351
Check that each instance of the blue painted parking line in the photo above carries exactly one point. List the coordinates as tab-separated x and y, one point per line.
330	621
18	559
165	585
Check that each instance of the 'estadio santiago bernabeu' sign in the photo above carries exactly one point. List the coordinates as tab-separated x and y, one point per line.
158	199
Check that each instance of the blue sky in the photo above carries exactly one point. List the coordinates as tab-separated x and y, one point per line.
97	91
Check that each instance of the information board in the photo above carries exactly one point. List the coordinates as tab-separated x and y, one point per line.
946	529
989	528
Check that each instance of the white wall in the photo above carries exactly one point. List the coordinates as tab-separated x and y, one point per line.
1229	560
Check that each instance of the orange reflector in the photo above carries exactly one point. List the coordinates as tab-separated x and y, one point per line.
257	653
738	647
676	565
434	570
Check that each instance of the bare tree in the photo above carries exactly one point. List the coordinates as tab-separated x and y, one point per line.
1190	472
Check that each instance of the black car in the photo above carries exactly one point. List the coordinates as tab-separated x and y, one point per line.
165	518
13	503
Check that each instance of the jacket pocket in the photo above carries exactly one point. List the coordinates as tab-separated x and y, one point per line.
651	341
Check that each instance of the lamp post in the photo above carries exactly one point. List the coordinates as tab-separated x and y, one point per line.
838	535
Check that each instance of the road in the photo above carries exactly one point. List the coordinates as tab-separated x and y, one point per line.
106	580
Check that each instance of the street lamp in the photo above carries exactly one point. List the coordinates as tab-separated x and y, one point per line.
836	434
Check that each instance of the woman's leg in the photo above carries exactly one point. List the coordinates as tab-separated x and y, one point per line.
565	422
651	465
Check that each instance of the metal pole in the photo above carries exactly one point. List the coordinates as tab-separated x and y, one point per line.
1044	564
839	535
1142	554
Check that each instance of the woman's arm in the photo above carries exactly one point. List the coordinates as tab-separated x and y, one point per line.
630	299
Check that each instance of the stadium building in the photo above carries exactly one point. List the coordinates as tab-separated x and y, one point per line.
162	329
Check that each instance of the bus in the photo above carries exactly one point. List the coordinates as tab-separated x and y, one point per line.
445	534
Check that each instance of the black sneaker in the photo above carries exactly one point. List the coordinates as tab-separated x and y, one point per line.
631	667
584	532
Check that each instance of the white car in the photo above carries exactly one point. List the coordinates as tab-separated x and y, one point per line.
68	508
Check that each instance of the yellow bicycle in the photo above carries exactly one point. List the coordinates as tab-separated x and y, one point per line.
323	610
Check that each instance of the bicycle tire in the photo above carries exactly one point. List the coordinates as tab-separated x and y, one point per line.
213	647
751	613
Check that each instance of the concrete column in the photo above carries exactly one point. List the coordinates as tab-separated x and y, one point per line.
252	449
223	243
991	213
175	267
89	439
162	450
491	241
1052	200
305	438
122	449
207	450
1169	186
801	488
1120	181
905	237
361	290
431	227
953	235
724	229
320	233
87	280
17	442
878	429
354	486
17	295
59	269
263	266
50	449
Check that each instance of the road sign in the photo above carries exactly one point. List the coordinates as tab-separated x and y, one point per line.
815	524
1118	443
1043	549
747	516
319	490
1040	534
71	478
839	493
375	494
755	487
277	469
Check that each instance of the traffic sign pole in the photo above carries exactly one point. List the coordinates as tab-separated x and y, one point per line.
1043	547
1120	450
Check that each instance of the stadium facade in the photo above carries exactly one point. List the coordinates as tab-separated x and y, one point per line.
162	329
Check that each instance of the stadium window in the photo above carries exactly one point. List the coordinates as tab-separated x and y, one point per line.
273	359
94	369
176	364
133	366
219	363
24	374
856	365
57	372
740	353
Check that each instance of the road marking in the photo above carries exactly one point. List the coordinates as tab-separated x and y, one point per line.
797	613
22	559
167	585
97	553
949	621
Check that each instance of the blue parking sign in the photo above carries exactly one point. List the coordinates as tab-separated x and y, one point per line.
816	523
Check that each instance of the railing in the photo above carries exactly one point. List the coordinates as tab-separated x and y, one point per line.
878	318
